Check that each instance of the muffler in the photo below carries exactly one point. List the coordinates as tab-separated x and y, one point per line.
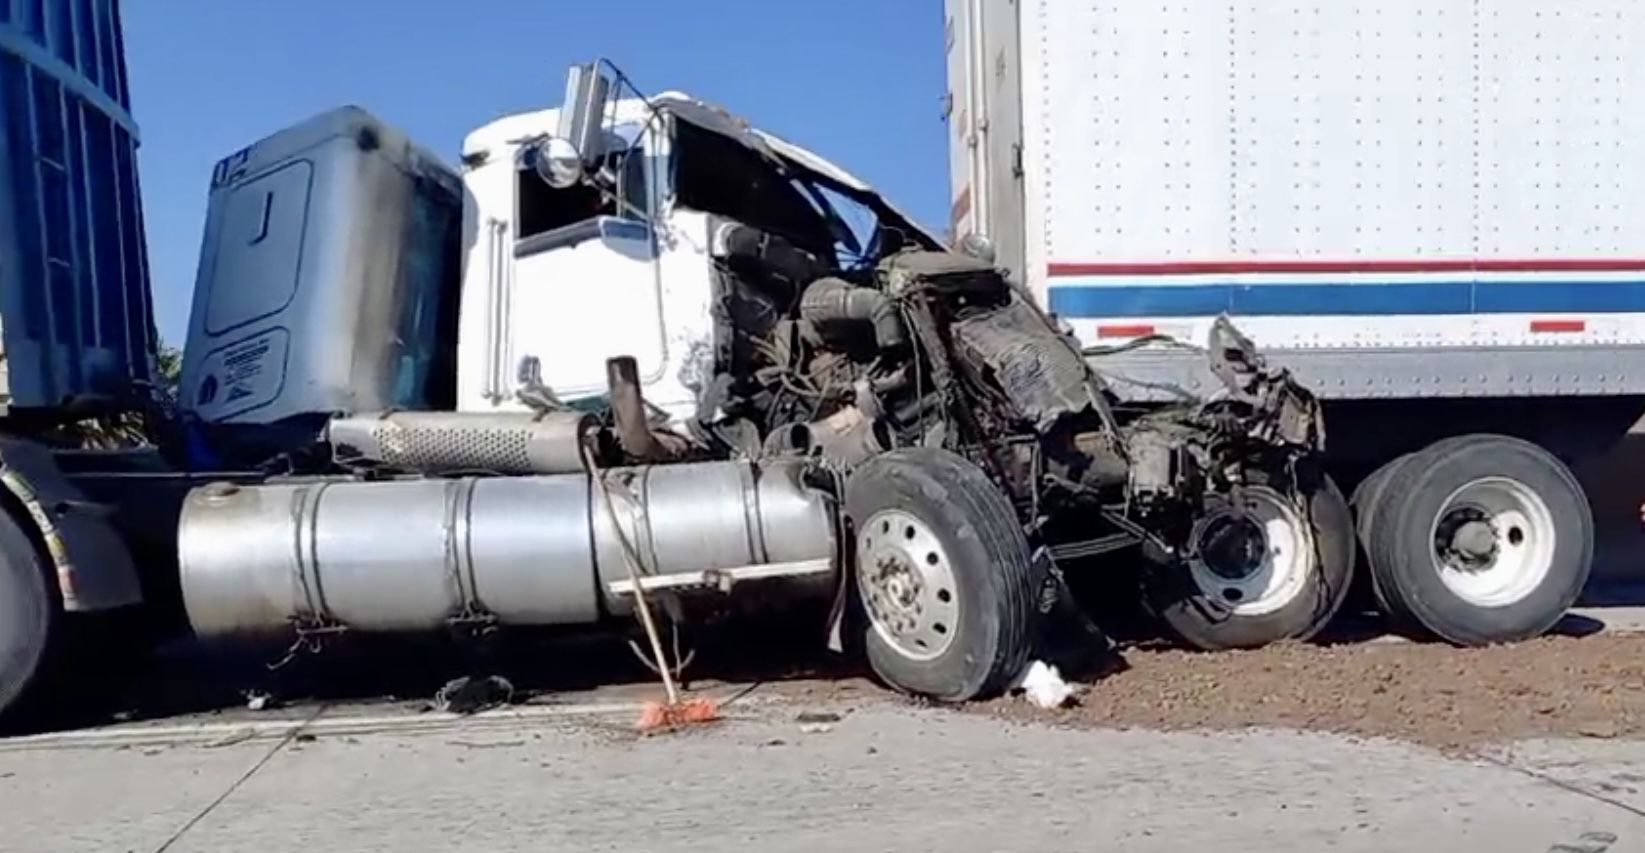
507	443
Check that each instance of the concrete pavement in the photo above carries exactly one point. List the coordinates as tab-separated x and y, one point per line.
885	776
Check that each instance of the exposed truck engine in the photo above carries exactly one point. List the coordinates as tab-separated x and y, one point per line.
691	357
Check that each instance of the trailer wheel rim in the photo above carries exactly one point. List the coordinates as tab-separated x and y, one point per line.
907	584
1282	558
1493	542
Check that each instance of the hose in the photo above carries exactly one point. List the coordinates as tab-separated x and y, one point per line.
834	300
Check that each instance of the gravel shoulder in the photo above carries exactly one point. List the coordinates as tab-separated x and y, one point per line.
1430	694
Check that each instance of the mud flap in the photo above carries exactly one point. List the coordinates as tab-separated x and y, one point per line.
1065	637
842	590
93	568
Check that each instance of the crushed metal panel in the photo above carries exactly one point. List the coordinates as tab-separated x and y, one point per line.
716	119
1153	374
1042	376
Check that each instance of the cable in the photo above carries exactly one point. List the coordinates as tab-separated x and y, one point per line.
245	777
1139	343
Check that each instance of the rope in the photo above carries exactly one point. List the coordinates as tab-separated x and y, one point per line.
631	561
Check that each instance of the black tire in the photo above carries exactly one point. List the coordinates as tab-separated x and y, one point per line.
1209	622
28	617
983	550
1401	547
1367	495
1366	502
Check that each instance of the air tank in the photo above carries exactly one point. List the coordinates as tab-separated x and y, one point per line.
76	320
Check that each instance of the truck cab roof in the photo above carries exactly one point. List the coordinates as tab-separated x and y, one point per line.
509	132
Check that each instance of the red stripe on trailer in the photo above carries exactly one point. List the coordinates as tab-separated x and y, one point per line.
1306	265
1135	330
1559	325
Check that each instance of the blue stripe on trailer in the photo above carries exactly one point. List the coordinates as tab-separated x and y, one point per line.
1128	298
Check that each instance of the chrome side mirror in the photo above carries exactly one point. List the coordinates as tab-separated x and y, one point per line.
979	247
558	163
574	150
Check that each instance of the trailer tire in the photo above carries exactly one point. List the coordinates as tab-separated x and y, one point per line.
943	578
1514	583
28	617
1297	597
1366	502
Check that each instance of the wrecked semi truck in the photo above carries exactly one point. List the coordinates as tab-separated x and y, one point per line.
1429	212
636	350
691	357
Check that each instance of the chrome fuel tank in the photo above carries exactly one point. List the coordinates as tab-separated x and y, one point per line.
416	554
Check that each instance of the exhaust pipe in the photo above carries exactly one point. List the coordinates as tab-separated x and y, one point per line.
631	420
509	443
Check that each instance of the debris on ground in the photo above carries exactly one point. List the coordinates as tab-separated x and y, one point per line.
495	744
257	700
1043	685
471	695
665	716
232	738
817	717
1433	694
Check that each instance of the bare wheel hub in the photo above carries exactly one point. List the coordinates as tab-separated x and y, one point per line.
1254	552
907	584
1233	547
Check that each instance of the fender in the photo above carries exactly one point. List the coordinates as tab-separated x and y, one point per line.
93	568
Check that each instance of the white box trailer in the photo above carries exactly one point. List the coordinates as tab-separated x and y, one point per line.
1433	211
1436	199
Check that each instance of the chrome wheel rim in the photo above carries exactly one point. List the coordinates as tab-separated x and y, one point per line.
1277	553
907	584
1493	542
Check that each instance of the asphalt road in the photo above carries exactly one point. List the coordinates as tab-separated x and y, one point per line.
359	768
884	776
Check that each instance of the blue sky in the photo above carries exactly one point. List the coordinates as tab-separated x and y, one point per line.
860	81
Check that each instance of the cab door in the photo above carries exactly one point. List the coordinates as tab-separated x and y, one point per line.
567	277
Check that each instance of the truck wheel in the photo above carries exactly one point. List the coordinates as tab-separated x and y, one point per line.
1264	567
944	575
1366	501
1490	540
27	615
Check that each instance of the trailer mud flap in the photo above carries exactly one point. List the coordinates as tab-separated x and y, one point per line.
93	568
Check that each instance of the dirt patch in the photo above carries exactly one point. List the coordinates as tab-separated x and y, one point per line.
1430	694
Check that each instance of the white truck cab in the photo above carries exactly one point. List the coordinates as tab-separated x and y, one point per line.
566	278
569	278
